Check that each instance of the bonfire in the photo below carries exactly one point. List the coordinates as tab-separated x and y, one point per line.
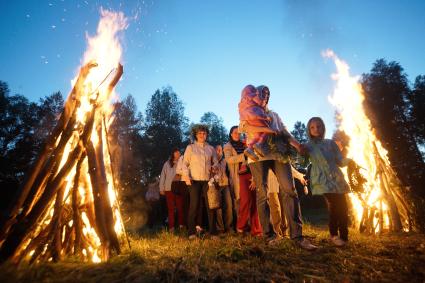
377	200
68	203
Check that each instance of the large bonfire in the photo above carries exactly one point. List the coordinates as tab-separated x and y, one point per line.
377	200
68	202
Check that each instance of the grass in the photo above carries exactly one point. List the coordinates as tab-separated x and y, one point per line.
173	258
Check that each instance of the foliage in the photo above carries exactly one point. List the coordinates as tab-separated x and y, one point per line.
164	128
24	126
300	134
218	133
417	102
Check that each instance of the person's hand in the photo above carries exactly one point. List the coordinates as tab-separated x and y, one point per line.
303	182
252	185
188	182
305	190
162	193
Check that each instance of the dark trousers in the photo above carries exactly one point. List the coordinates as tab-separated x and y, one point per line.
338	215
291	203
225	213
198	193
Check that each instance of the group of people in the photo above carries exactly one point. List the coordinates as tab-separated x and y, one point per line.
247	186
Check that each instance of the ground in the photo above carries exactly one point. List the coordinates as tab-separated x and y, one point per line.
169	257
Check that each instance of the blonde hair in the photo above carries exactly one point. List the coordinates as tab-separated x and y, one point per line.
316	119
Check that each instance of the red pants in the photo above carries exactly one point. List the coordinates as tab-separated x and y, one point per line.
174	201
248	207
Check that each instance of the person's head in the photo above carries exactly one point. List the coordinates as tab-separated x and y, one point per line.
200	133
264	94
234	134
249	92
219	150
175	155
316	128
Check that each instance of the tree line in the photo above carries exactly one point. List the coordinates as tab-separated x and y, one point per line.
142	142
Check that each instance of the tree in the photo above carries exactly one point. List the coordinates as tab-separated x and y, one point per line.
163	130
386	103
300	134
126	142
218	133
417	103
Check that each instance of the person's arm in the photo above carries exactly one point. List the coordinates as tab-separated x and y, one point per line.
162	178
186	164
284	131
230	158
340	160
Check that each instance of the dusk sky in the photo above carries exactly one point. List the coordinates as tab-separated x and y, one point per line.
207	51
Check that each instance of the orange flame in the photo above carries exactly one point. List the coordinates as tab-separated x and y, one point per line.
105	50
348	98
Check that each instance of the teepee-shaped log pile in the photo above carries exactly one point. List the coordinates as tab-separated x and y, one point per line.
67	203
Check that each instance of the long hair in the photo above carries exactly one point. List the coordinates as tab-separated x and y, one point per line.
316	119
231	131
171	159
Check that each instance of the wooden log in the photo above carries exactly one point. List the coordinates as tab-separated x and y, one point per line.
114	177
8	220
17	236
98	204
75	206
56	231
109	218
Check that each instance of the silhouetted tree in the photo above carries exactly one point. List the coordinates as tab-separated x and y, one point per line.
417	102
386	101
300	134
218	133
163	130
126	142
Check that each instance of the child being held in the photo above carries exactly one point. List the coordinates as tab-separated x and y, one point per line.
327	179
252	110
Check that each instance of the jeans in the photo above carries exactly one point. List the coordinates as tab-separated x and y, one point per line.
291	203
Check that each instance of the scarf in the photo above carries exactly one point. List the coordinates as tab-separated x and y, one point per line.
238	146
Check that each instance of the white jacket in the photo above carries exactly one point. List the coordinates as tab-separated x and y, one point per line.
197	162
167	176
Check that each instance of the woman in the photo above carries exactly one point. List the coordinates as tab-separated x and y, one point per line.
282	169
241	184
198	162
174	201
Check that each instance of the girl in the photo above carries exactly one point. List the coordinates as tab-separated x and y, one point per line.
327	179
174	201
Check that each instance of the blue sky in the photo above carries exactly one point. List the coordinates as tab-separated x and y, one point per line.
209	50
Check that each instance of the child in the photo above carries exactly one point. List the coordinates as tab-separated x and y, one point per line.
327	179
252	111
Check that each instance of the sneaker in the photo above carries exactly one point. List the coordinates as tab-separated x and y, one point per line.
276	240
306	245
251	154
337	241
192	237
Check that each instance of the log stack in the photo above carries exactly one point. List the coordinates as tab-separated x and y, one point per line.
67	204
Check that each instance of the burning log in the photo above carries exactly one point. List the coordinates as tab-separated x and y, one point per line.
58	211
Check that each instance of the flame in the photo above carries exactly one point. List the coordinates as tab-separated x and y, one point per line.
105	50
364	147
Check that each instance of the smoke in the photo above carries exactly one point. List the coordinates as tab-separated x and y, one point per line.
313	26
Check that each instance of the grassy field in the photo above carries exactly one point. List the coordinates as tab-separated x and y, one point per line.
173	258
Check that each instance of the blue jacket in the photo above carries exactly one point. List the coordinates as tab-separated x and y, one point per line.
326	176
